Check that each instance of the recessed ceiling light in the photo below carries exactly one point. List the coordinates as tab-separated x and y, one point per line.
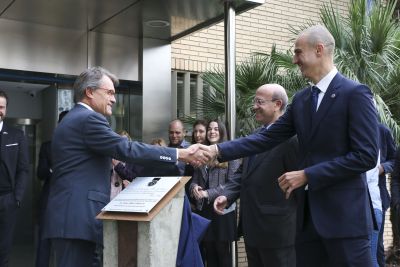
157	23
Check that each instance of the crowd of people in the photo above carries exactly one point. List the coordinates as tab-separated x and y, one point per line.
311	180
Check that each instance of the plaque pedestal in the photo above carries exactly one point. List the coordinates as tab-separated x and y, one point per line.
145	240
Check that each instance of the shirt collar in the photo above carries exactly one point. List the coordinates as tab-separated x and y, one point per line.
1	126
266	126
323	84
85	105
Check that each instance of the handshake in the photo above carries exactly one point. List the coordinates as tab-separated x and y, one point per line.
198	155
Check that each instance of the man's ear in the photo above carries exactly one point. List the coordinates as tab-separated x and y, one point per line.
278	103
89	92
320	49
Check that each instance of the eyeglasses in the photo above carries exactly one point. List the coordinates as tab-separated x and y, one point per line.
110	92
260	102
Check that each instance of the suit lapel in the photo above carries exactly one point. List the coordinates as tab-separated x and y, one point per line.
204	174
255	162
251	163
329	98
307	109
4	141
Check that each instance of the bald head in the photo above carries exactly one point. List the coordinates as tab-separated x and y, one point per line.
269	103
319	34
277	92
313	52
176	133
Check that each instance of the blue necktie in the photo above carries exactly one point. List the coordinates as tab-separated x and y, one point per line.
314	98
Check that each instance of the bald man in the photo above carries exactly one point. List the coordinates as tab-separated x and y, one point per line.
336	125
176	135
267	218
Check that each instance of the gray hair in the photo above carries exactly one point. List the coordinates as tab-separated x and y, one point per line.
91	78
282	96
320	34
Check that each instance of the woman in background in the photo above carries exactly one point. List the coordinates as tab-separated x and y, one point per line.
199	136
122	173
207	184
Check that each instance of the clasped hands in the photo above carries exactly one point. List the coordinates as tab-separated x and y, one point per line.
198	155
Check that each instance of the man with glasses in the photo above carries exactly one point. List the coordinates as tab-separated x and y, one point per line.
267	218
336	125
82	147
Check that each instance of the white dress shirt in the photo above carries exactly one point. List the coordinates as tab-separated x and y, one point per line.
324	83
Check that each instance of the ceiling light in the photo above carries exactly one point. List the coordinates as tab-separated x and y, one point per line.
157	23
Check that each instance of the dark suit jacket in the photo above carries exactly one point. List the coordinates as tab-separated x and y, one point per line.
395	183
44	173
14	156
82	147
387	148
267	219
337	145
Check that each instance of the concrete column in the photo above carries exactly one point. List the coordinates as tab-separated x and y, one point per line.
157	240
155	74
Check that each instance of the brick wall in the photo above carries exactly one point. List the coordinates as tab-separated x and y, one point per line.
256	31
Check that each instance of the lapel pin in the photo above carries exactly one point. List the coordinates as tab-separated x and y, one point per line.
333	95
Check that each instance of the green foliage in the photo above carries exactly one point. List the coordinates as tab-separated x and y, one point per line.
367	49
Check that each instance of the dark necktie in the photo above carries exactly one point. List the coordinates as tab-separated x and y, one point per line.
314	98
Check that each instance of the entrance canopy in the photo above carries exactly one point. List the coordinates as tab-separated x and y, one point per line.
160	19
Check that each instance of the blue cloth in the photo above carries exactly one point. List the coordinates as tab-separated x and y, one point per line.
375	236
193	228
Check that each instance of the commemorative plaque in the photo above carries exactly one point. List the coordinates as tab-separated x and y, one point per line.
142	194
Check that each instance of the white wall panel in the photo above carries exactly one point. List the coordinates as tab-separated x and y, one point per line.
41	48
118	54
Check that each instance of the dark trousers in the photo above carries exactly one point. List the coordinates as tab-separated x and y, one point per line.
8	218
380	253
75	253
266	257
314	251
43	252
218	254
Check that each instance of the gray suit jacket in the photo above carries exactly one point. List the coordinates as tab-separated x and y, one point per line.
82	147
267	219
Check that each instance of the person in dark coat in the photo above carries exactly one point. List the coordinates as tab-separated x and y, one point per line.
44	173
14	174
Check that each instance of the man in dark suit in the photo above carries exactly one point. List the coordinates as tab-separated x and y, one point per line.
82	147
387	148
14	172
336	126
267	219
